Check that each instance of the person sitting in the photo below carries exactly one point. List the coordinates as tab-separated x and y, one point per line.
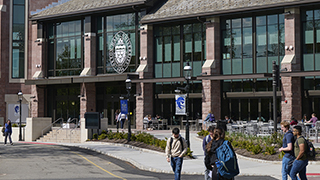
293	121
229	121
304	119
313	120
149	121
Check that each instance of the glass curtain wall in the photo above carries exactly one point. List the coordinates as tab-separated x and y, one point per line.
107	27
240	42
65	48
18	39
174	46
311	60
249	46
311	39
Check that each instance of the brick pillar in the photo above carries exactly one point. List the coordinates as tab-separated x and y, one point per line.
211	95
144	103
36	70
88	101
291	100
89	48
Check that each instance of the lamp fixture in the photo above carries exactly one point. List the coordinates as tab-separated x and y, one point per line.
286	13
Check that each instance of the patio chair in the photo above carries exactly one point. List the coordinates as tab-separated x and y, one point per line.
314	131
155	124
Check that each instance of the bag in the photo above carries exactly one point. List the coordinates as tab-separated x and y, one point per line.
229	163
180	139
310	151
123	117
3	129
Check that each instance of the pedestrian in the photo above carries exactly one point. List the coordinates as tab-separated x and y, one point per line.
116	116
287	148
175	150
301	161
217	141
122	117
8	132
206	140
293	121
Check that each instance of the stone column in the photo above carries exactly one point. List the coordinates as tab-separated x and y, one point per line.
89	49
291	100
211	95
37	69
88	101
144	103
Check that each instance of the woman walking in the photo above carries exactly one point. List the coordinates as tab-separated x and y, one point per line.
8	132
217	141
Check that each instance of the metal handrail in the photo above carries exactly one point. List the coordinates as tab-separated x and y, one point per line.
75	127
51	124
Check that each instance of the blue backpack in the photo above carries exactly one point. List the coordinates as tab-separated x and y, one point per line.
211	119
229	163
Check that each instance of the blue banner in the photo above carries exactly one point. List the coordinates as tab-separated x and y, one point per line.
124	106
180	104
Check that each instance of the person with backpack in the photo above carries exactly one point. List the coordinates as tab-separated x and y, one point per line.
122	118
220	166
205	141
175	150
301	161
287	148
8	132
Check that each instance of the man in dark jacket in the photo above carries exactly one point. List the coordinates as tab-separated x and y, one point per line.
205	141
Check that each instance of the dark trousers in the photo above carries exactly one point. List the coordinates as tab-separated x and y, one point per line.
7	134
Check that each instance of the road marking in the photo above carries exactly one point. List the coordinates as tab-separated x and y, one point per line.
99	166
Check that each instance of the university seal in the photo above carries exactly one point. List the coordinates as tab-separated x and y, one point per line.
120	52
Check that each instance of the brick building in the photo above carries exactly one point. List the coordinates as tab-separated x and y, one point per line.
69	48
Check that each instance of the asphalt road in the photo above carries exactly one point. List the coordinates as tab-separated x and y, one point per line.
52	162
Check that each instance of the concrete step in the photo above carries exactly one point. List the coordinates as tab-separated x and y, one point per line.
62	136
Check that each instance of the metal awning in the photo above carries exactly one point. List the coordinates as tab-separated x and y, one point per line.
237	76
81	79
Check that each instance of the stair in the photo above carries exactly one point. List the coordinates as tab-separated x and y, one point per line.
62	135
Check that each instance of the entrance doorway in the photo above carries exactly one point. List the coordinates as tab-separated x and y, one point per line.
108	101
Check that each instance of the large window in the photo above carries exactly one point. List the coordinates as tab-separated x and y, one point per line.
246	53
170	41
18	38
65	48
311	40
107	27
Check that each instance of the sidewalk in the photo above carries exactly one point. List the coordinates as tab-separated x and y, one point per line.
156	161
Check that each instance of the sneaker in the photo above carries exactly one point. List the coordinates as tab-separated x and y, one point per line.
12	144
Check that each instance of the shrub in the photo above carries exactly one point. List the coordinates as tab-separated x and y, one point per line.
256	149
102	136
95	136
14	125
104	132
203	133
270	150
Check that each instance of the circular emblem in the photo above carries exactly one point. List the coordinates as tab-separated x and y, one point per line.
120	52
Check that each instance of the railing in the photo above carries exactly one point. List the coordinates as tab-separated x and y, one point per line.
75	127
51	125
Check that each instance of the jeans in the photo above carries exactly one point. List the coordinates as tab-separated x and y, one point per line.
286	167
122	123
176	164
299	166
6	135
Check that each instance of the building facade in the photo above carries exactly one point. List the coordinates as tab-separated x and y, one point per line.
73	56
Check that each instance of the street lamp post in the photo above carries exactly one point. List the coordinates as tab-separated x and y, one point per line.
187	70
128	87
20	112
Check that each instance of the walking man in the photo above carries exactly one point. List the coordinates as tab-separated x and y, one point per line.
205	141
175	149
287	148
301	161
